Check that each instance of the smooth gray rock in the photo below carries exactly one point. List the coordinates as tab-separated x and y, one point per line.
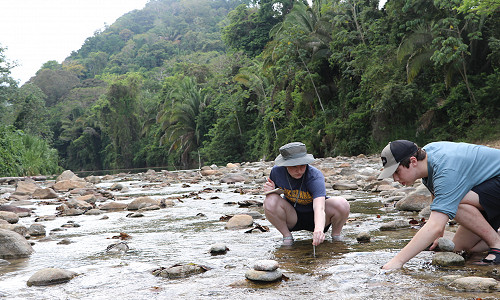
266	276
445	259
13	245
36	230
266	265
50	276
475	284
446	245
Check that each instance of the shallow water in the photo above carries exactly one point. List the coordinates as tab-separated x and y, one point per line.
184	234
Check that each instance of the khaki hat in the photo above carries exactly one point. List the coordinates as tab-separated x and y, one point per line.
293	154
393	154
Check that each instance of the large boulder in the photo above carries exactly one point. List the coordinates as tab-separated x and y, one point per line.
44	193
26	187
13	245
10	217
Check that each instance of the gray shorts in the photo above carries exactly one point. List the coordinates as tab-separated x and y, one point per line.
489	198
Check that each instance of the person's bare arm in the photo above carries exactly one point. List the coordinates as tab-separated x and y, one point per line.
433	229
319	220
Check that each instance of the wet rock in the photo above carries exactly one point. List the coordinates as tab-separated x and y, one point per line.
68	175
447	279
415	201
446	245
64	242
218	249
36	230
13	245
44	193
113	206
93	179
120	247
180	271
117	187
395	225
4	262
10	217
239	222
475	284
208	172
67	211
50	276
267	276
135	215
425	212
363	237
89	198
266	265
445	259
142	202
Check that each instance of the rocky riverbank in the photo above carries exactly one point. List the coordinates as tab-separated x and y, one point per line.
29	207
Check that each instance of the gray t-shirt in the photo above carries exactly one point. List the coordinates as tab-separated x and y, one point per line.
454	169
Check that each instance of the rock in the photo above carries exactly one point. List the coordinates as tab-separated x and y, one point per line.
135	215
113	206
447	279
120	247
425	213
93	179
239	222
446	245
233	178
90	198
26	187
50	276
66	185
117	187
342	186
4	262
231	165
363	237
395	225
266	276
13	245
445	259
142	202
20	229
208	172
415	201
10	217
180	271
36	230
68	175
266	265
44	193
219	248
94	212
79	204
475	284
20	211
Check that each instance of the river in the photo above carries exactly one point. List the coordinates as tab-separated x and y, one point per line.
184	233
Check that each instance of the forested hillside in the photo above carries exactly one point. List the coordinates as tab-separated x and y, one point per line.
190	82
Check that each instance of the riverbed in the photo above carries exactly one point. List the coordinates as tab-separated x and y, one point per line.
185	232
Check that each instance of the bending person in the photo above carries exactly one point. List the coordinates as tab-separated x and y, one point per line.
304	205
464	180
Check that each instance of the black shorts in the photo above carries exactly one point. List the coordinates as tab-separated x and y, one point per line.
489	198
305	221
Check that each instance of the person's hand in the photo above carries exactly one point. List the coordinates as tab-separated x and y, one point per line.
392	264
435	244
269	185
318	237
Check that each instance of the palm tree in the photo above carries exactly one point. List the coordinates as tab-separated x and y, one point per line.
179	117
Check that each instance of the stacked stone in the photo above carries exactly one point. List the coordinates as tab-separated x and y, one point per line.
264	270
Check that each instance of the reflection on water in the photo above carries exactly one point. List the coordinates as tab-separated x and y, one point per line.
184	234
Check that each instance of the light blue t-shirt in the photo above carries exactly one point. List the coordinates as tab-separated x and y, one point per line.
454	169
300	192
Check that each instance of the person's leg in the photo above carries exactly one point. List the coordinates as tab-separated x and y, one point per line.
475	227
281	214
336	212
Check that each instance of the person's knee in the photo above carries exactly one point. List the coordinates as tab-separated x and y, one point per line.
339	206
272	202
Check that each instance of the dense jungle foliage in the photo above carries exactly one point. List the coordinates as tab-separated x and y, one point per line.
190	82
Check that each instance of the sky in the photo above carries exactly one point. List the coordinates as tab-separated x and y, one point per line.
36	31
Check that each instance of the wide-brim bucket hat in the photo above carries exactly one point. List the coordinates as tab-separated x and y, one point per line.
293	154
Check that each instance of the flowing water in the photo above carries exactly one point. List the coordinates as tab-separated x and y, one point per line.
184	233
